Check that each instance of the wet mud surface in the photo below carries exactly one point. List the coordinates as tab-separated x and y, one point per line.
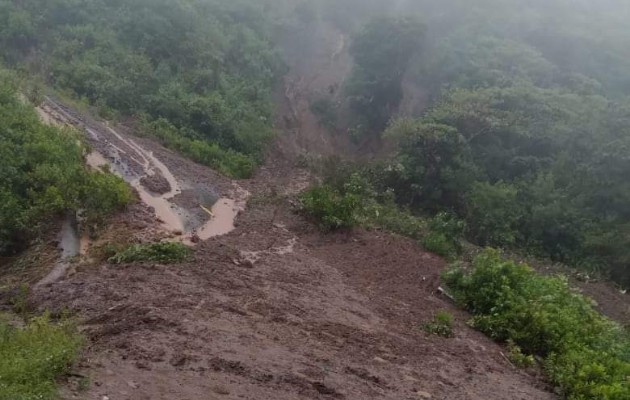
274	310
268	309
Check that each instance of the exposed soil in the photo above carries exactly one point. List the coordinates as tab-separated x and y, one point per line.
274	310
269	309
156	183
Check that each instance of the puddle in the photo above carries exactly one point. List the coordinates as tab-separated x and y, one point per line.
173	218
221	221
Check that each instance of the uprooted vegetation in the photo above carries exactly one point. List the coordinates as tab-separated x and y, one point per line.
440	325
163	253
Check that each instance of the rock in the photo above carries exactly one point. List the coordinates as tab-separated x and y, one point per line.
423	395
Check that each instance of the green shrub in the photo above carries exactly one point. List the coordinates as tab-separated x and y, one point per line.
164	252
587	355
32	358
330	208
441	325
515	354
227	161
444	236
439	244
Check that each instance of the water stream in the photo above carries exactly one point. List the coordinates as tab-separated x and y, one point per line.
173	218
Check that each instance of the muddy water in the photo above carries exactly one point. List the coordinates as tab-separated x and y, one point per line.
221	221
71	245
173	218
221	216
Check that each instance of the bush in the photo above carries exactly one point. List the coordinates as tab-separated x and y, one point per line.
164	252
493	214
441	325
31	359
228	162
515	354
445	235
330	208
43	176
587	355
439	244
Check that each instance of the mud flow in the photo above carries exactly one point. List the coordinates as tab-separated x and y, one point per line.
204	216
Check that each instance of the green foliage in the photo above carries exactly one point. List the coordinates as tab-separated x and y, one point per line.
445	235
439	244
33	357
433	165
441	325
229	162
163	252
541	169
206	66
585	354
330	208
43	176
494	213
516	356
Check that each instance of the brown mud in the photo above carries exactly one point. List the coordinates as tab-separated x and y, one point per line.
274	310
269	308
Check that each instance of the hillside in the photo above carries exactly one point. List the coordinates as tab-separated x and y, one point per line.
286	199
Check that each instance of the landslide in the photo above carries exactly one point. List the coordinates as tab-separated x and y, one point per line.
274	309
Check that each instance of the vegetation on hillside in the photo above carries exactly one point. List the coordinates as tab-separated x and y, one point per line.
205	66
525	134
585	354
33	357
382	51
43	176
162	252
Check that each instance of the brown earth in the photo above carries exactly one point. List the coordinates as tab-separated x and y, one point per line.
274	310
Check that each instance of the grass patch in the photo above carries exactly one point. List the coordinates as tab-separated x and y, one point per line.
33	357
441	325
163	253
227	161
584	353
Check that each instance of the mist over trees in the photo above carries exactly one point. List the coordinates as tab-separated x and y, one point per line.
525	136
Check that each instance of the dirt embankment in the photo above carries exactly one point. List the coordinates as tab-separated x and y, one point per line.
271	310
274	310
